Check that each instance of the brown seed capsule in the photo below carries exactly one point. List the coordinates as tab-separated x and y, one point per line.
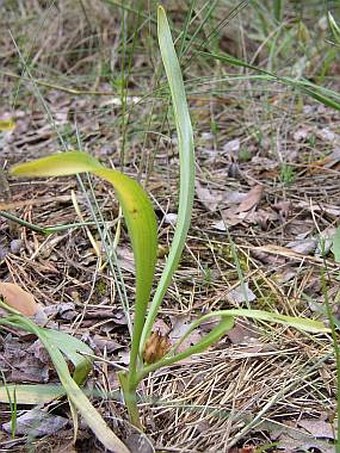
156	347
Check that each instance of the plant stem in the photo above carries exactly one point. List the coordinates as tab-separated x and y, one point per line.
336	349
129	389
43	230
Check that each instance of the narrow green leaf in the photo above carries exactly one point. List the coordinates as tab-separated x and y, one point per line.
278	6
323	95
305	324
32	394
187	165
226	323
334	27
317	94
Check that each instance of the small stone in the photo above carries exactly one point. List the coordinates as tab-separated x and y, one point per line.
16	246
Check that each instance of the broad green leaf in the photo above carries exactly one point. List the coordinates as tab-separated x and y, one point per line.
81	402
31	394
76	397
139	216
73	349
187	165
70	346
141	222
62	164
336	245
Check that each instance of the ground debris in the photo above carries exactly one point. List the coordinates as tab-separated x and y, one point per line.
37	423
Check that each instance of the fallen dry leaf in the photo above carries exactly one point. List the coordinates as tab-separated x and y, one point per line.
232	147
180	327
244	332
304	246
252	199
125	259
261	217
269	257
214	199
331	210
283	208
264	163
302	134
326	134
210	199
244	211
320	429
289	254
287	442
240	295
18	299
230	217
135	440
23	362
37	423
332	160
37	201
170	218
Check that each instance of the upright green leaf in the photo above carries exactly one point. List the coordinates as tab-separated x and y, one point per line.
187	165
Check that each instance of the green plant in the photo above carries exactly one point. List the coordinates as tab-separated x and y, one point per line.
142	228
244	155
278	7
287	174
12	405
329	98
336	245
58	345
334	29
